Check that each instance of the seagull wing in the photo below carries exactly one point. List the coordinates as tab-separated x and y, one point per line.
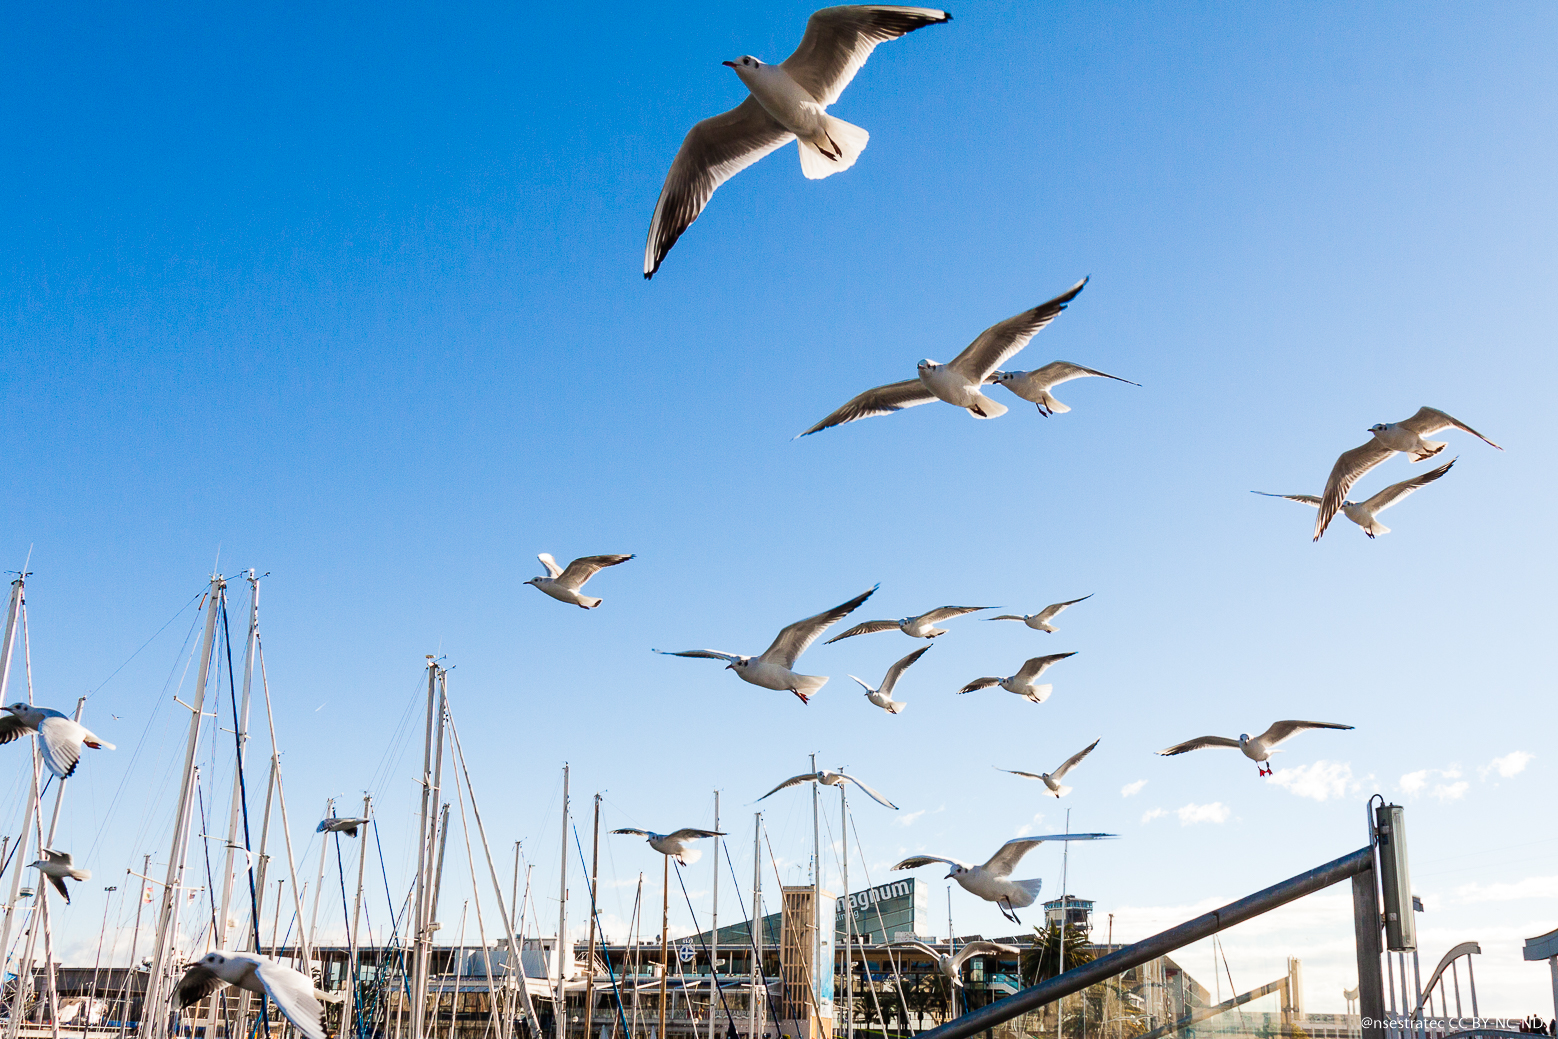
838	41
1302	499
709	654
713	151
1351	465
1000	341
916	861
586	567
896	671
793	640
1009	854
11	728
60	742
882	400
61	857
1071	762
1051	611
688	833
1199	743
1057	372
1036	666
294	996
868	628
921	946
1428	421
1396	491
59	885
552	569
1282	730
197	983
1007	617
635	832
946	613
980	948
878	798
1015	772
979	683
808	777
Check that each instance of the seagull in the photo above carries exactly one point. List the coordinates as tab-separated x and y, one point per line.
336	824
882	696
1364	513
771	670
788	102
952	966
921	627
1041	621
56	865
675	844
827	777
1260	748
564	585
61	740
960	381
1035	385
1022	682
1052	779
1405	436
989	881
293	992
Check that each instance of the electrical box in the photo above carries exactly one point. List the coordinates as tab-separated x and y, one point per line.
1400	924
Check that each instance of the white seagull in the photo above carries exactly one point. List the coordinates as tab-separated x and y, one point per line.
292	992
1035	385
828	777
565	585
60	737
952	966
960	381
990	882
882	695
57	865
788	102
1259	748
675	844
1388	437
920	627
1022	683
1041	621
1364	513
1052	779
338	824
772	670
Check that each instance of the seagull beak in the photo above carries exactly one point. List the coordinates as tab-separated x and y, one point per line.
730	64
729	667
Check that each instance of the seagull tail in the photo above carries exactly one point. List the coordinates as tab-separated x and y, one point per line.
689	855
984	407
1061	791
1030	890
589	603
845	142
1428	450
97	744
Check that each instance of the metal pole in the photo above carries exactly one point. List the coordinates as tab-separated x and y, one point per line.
355	972
1366	938
135	945
262	860
421	937
714	927
816	891
235	814
18	591
319	887
665	959
589	956
757	925
849	966
560	1022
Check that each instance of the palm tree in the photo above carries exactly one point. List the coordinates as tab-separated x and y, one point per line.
1054	953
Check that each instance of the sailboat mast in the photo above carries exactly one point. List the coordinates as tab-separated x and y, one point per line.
849	972
714	928
18	591
354	972
560	1007
589	956
816	890
422	937
241	725
756	925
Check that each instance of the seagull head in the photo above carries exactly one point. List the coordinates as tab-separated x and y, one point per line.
1378	427
953	872
1244	737
213	960
1003	377
738	665
15	708
745	63
926	364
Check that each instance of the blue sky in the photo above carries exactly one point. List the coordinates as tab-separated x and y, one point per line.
352	295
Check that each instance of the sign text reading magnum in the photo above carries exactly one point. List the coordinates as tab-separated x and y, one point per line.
866	899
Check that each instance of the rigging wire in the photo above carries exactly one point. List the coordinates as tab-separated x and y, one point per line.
589	1012
752	930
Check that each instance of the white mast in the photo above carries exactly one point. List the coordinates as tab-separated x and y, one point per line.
424	849
849	972
154	1018
714	928
560	1008
816	893
353	973
235	816
319	885
18	591
757	925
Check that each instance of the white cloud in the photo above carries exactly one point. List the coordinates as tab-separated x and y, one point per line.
1412	782
1321	781
1027	827
1131	789
1216	812
1451	791
905	820
1153	814
1416	782
1508	766
1530	887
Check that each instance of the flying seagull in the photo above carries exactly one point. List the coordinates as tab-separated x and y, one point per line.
57	865
1258	749
564	585
772	670
960	381
293	993
336	824
1364	513
1035	385
920	627
787	102
990	881
1388	437
675	844
827	777
1022	683
882	695
1052	779
952	966
60	738
1041	621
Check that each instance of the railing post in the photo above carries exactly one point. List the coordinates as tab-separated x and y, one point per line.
1366	930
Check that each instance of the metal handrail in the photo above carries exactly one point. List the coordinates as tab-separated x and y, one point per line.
1160	944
